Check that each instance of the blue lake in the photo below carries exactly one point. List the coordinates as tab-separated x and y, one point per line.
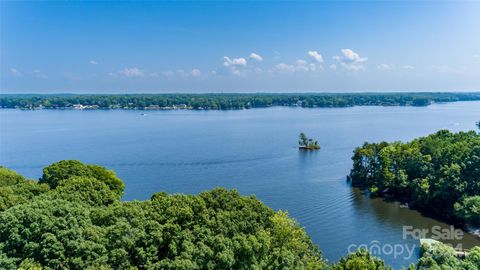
253	151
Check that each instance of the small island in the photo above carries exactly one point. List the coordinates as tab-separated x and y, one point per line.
304	143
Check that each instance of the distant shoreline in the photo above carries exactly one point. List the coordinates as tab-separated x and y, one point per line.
226	101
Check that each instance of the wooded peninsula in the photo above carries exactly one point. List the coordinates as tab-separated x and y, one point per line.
438	174
226	101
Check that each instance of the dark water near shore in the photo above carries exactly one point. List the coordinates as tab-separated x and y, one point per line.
253	151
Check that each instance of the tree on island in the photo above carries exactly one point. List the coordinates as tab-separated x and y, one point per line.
478	124
305	143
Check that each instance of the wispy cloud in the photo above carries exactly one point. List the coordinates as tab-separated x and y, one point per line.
317	57
256	57
93	62
234	62
385	67
182	73
350	60
15	72
132	72
299	66
195	72
448	69
39	74
235	66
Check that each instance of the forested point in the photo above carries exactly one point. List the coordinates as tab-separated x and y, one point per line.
438	174
226	101
72	218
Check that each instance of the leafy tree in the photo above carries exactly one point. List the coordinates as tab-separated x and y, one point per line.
360	260
469	209
303	140
65	169
80	224
15	189
439	173
440	256
84	190
305	143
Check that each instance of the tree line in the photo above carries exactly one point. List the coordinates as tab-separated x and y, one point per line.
439	173
227	101
73	218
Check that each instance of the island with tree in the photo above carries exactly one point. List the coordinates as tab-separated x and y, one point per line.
305	143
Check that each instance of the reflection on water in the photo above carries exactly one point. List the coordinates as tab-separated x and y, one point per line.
253	151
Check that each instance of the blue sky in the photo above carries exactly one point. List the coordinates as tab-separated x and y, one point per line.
117	47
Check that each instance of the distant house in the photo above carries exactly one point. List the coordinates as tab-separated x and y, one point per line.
181	106
152	107
78	107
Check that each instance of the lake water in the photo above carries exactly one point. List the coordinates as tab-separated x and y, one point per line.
253	151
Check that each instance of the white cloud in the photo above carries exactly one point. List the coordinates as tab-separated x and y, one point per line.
353	56
38	74
315	56
256	57
408	67
385	67
234	62
132	72
448	69
15	72
182	73
235	66
350	60
299	66
333	67
93	62
284	67
195	72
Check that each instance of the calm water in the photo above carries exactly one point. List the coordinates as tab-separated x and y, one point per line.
253	151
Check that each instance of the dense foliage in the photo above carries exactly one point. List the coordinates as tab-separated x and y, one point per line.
81	224
66	169
360	260
228	101
442	257
439	173
15	189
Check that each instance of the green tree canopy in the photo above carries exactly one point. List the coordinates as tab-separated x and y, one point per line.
81	224
15	189
66	169
360	260
439	173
